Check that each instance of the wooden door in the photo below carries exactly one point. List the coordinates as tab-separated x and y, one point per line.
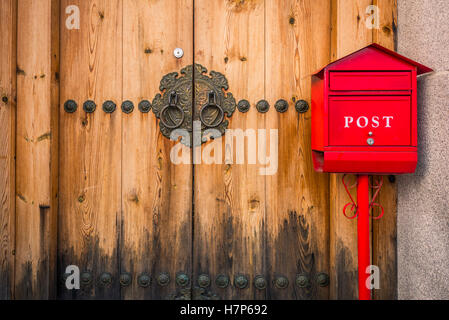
96	187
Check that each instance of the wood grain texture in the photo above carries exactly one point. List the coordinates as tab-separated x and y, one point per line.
245	222
386	34
90	147
8	49
349	33
385	229
297	215
156	194
37	141
229	199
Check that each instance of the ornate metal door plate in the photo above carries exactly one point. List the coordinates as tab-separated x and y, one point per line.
177	106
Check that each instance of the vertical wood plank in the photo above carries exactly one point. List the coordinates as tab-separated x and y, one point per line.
349	33
229	199
156	194
90	147
297	216
8	30
385	35
37	141
385	229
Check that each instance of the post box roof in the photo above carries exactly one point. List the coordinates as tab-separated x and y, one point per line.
375	57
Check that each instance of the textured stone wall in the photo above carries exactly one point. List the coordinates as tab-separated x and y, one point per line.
423	199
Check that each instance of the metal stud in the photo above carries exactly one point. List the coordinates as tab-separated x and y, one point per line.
301	106
144	106
70	106
127	106
204	280
260	282
105	279
222	281
125	279
89	106
241	281
262	106
65	275
302	280
243	106
86	278
182	279
322	279
281	106
163	279
109	106
144	280
178	53
281	282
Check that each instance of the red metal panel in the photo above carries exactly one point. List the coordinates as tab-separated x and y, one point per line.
344	81
318	112
352	118
370	162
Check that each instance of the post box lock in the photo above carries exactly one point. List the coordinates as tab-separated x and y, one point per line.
373	89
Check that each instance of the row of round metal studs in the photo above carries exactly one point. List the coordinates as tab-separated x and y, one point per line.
144	280
281	106
109	106
144	106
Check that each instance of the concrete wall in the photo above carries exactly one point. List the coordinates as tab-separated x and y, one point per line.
423	199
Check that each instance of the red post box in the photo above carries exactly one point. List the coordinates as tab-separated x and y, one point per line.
364	113
364	121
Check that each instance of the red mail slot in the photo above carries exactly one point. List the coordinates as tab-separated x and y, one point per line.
370	81
364	113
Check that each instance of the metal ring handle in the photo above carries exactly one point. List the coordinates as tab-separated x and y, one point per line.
211	104
172	104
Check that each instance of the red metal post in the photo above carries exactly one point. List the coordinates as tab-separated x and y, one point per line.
363	244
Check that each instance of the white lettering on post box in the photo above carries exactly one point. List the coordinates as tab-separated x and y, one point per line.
374	122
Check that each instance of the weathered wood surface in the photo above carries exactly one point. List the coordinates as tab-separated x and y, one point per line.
297	217
37	149
8	18
156	193
245	222
91	147
123	205
229	199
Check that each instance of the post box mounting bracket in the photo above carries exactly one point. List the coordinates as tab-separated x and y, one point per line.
376	186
